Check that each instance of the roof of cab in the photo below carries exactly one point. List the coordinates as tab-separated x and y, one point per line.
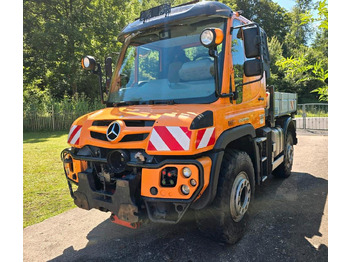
178	13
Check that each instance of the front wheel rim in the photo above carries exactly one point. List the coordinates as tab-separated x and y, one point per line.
240	196
289	155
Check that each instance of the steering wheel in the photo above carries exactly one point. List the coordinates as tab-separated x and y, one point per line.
141	83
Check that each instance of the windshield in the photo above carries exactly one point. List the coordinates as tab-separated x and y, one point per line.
167	65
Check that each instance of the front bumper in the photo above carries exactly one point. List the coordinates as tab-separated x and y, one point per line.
130	199
120	202
168	205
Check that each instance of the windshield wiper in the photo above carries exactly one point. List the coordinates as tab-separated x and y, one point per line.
167	102
126	103
150	102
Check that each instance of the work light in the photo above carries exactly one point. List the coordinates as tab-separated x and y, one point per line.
211	37
88	63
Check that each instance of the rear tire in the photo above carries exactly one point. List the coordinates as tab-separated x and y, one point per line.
226	218
284	170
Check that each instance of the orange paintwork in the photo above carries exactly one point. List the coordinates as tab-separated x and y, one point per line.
226	114
74	168
219	36
152	178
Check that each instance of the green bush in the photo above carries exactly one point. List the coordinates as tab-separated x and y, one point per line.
41	112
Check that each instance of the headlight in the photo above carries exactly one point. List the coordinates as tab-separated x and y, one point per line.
186	172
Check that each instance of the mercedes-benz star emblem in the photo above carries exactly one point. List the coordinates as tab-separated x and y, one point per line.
113	131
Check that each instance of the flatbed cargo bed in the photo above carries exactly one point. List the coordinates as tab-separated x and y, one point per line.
285	103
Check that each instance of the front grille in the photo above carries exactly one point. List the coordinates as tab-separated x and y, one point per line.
98	136
126	138
102	122
130	123
134	137
139	123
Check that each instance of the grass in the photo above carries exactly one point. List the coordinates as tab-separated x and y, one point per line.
321	114
45	190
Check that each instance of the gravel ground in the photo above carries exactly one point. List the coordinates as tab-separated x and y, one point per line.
288	222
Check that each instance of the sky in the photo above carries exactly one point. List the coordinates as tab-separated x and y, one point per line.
287	4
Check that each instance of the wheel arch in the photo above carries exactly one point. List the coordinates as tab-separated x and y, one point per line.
288	124
239	138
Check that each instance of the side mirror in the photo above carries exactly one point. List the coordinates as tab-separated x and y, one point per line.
108	67
88	63
253	67
211	37
124	79
252	42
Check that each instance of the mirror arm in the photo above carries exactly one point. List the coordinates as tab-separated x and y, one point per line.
244	25
214	53
99	73
250	82
233	94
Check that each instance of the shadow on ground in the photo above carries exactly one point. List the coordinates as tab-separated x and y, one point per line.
284	214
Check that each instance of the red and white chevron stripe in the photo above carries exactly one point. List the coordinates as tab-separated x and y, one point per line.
74	134
169	138
205	137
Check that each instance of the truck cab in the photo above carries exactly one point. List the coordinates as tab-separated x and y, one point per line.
189	123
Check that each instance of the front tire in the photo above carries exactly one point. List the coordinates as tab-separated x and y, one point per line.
226	218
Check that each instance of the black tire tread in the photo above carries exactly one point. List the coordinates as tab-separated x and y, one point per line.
215	221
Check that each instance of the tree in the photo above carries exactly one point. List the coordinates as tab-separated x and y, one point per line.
299	32
266	13
58	33
309	64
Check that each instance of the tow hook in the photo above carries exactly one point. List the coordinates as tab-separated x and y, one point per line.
115	219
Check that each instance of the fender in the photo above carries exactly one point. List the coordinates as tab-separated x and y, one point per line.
288	123
216	156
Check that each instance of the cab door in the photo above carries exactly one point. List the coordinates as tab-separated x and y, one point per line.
246	93
251	97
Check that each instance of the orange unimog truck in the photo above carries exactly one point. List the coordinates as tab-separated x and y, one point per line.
189	122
